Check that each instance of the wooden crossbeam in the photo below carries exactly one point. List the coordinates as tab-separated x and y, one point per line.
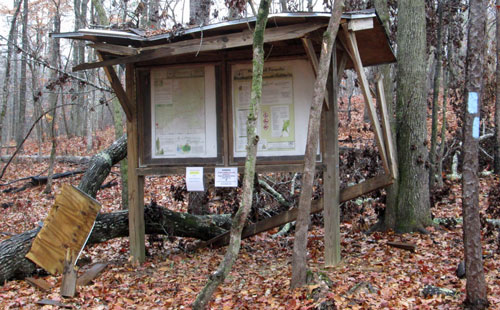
346	194
244	38
313	59
117	86
114	49
386	127
358	66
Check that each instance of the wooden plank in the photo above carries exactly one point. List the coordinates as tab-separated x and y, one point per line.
51	302
405	246
92	273
169	170
68	283
313	59
331	178
316	206
118	88
386	127
360	24
219	42
353	47
67	226
135	182
39	283
114	49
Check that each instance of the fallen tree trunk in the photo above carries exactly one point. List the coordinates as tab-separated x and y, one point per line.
39	158
158	220
38	180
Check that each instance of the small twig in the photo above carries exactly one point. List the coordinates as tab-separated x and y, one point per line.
47	65
485	153
27	135
252	7
201	40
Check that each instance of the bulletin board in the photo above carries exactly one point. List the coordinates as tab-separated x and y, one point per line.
287	90
183	112
180	115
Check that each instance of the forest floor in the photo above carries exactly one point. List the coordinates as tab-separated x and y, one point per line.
372	274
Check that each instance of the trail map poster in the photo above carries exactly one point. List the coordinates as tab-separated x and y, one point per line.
286	96
183	112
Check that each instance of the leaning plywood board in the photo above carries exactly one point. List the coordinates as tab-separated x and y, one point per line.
67	226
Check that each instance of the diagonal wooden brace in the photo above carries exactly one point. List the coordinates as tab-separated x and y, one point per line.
118	88
352	46
386	127
313	59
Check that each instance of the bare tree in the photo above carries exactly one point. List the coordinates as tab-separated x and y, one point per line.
53	95
476	289
21	120
8	65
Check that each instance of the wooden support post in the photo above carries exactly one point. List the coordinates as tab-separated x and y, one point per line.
386	127
352	45
68	283
118	88
135	181
313	59
331	179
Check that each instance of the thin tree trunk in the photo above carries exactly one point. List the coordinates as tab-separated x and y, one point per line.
53	97
5	89
446	79
476	290
299	258
497	97
116	114
241	215
21	120
435	96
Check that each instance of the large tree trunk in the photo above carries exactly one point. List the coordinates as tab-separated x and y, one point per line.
476	290
299	259
158	220
412	212
199	12
497	97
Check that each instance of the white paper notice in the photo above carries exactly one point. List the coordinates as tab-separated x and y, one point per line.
194	179
226	177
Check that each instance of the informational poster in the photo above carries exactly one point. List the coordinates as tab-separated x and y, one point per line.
226	177
183	112
286	96
194	179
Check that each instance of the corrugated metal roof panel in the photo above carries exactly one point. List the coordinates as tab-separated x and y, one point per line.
128	38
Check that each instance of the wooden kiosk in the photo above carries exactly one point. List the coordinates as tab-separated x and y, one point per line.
186	94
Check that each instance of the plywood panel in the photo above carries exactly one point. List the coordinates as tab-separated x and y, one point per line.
67	227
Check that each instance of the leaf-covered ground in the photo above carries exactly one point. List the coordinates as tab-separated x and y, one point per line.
372	274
